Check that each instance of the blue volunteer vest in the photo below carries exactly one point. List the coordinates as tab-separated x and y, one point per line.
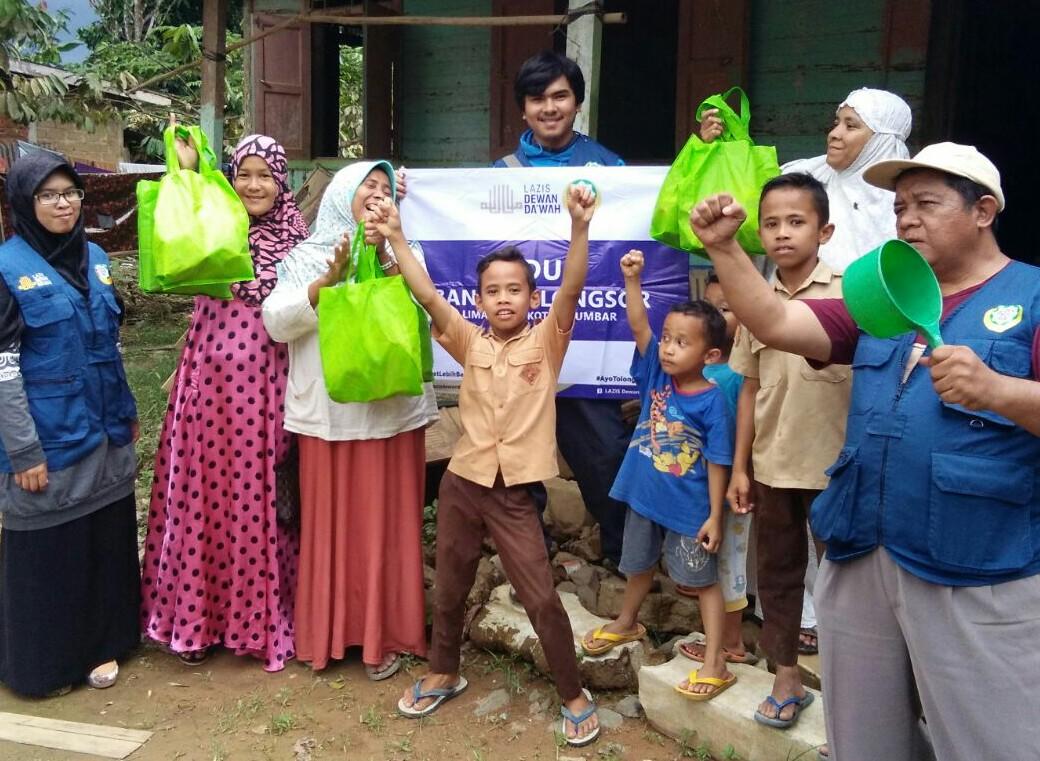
951	493
69	356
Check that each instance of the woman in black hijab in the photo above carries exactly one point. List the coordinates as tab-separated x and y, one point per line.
69	589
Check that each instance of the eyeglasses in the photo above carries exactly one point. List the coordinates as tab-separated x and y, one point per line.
50	197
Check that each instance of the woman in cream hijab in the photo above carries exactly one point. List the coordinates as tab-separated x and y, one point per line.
362	465
869	126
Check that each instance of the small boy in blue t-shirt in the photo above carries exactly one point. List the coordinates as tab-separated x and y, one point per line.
674	475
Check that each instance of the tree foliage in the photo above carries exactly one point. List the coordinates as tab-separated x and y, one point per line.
133	41
134	20
29	33
351	107
164	49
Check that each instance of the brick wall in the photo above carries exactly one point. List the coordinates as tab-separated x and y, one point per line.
9	131
102	148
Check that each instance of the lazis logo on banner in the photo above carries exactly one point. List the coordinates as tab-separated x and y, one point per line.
525	198
459	215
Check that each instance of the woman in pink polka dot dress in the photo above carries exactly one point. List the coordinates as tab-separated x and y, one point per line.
218	567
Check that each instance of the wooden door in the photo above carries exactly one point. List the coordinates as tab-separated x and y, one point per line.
713	55
510	47
380	60
282	86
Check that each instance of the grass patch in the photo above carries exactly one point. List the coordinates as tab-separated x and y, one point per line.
282	723
404	745
149	358
514	669
248	707
373	720
653	737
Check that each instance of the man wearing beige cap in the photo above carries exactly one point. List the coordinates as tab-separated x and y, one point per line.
932	515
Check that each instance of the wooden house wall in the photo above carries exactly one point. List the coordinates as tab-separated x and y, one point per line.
443	111
807	55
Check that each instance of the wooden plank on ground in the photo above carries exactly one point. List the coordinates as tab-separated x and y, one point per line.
95	739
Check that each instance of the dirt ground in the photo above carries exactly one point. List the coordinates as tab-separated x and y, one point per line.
228	709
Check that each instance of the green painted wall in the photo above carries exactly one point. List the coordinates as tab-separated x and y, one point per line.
807	55
444	113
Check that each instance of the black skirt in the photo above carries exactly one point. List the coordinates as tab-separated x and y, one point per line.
69	599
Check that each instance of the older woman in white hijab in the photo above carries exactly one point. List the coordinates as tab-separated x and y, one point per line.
869	126
362	465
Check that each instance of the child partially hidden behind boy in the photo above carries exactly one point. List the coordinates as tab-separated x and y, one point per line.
674	475
507	403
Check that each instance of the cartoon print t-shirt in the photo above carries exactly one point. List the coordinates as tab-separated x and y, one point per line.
664	476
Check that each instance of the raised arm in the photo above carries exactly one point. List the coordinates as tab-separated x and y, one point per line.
388	222
635	309
290	310
785	325
581	204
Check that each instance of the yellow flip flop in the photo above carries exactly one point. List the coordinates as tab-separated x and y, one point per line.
720	685
613	640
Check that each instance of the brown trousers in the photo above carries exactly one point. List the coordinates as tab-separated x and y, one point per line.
465	512
782	551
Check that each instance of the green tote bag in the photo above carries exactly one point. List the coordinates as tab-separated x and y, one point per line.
192	229
373	338
730	164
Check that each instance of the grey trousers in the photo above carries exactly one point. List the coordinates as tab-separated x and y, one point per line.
973	652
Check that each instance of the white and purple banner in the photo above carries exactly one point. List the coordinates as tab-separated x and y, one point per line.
459	215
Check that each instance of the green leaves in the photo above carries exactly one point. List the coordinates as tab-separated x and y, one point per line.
13	106
126	48
182	42
29	33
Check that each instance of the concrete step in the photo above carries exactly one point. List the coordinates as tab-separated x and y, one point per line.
729	719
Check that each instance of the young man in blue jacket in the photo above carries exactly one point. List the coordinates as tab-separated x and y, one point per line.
591	433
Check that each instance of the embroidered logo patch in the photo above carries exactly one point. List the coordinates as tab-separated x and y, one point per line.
28	282
1002	318
530	373
103	274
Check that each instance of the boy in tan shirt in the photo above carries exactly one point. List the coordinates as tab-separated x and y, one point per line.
790	427
507	403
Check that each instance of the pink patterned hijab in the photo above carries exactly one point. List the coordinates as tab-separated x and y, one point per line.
273	235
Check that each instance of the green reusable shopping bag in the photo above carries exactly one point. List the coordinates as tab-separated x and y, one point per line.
732	164
373	338
192	229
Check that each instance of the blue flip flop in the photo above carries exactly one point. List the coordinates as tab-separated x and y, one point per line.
442	695
576	719
800	705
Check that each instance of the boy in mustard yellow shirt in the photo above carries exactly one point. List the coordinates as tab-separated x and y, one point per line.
507	404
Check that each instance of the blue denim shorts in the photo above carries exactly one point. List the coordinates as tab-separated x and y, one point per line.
687	561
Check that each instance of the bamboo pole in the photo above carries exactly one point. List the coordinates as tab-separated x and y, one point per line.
555	20
214	40
240	44
348	20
